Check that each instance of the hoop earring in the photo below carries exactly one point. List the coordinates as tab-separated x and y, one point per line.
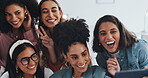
17	71
67	64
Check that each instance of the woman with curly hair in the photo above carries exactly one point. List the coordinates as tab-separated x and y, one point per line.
72	37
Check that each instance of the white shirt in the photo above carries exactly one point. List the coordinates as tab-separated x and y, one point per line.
47	73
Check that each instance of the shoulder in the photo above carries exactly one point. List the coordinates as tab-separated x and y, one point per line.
5	75
61	73
97	71
47	72
140	43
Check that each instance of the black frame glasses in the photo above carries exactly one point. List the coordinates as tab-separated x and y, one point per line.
26	60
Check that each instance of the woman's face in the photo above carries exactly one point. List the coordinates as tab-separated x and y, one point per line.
15	15
109	36
50	14
28	65
79	58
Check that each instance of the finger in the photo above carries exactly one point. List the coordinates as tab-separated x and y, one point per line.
111	62
43	30
39	32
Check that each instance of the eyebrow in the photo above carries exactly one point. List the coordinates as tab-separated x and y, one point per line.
47	9
81	53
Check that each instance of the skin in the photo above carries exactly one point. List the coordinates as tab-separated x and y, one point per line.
50	14
79	58
30	69
15	16
109	34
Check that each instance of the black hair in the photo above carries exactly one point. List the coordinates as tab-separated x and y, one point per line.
126	38
69	32
11	62
31	5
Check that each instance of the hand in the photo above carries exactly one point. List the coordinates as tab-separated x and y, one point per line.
113	66
147	69
27	21
46	40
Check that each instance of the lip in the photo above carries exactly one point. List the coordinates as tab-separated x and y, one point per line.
31	67
51	20
82	66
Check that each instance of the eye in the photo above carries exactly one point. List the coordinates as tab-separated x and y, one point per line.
84	54
17	12
24	60
35	57
113	32
54	10
7	14
45	11
102	33
74	57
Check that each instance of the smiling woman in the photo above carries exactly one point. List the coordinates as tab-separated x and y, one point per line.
72	37
117	48
23	62
16	24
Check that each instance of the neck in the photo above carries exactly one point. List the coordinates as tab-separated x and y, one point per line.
77	74
28	76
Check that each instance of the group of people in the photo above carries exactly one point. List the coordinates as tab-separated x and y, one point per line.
58	48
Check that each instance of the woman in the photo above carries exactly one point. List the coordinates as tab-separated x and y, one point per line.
117	48
23	62
50	15
16	24
72	37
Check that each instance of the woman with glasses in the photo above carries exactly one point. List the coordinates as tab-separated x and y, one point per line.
23	62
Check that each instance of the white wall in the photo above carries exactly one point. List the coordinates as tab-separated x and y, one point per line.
130	12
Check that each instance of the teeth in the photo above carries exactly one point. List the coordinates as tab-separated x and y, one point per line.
110	42
14	22
82	65
51	20
31	67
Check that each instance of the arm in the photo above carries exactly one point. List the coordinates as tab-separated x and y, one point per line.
48	43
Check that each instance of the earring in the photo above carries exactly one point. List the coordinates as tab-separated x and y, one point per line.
26	15
17	71
67	64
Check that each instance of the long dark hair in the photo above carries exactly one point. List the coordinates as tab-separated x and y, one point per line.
126	38
11	63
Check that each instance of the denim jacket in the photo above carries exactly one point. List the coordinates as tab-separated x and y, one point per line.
92	72
134	57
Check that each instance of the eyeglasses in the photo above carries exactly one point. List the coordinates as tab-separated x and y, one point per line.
26	60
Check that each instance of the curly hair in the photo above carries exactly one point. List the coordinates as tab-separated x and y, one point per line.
67	33
126	38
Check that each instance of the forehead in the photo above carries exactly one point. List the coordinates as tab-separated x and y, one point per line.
49	4
13	7
27	52
107	26
77	49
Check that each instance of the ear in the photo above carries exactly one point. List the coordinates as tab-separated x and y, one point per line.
61	12
65	56
25	9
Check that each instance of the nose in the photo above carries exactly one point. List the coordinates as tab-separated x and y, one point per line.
50	14
81	61
13	18
31	62
109	36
